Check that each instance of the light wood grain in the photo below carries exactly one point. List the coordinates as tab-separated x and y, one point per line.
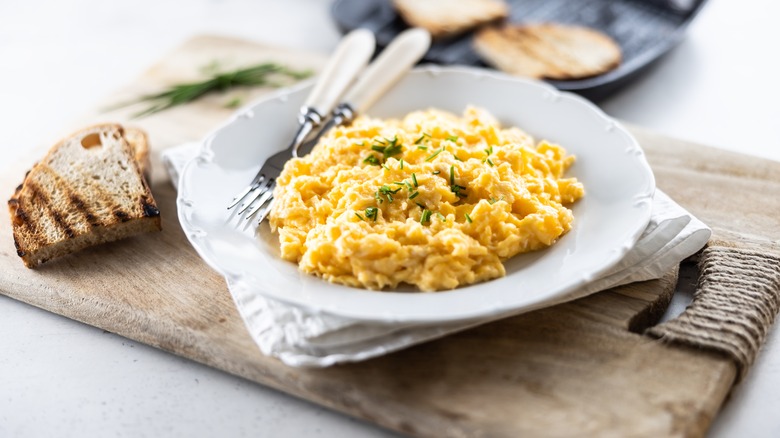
578	369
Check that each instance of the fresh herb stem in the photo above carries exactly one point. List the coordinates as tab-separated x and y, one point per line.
179	94
422	138
372	160
434	155
387	192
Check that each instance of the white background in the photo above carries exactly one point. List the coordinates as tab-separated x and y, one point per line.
58	58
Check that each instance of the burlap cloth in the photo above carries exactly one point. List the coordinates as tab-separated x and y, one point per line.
735	303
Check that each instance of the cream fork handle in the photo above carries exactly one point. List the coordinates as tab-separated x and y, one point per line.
349	59
402	53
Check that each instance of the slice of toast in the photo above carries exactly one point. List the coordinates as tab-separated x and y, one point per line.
446	18
87	190
551	51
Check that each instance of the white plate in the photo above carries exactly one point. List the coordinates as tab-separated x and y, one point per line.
608	220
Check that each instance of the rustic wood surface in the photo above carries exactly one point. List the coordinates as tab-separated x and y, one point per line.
581	368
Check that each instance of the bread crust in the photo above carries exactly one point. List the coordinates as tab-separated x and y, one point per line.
81	194
447	18
551	51
139	143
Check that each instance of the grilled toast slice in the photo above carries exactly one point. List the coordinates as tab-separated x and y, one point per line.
547	50
89	189
446	18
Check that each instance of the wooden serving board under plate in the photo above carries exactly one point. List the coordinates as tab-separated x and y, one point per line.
581	368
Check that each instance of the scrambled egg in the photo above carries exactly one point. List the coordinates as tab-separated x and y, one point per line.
433	200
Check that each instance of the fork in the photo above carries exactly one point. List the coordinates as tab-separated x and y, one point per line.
397	58
350	57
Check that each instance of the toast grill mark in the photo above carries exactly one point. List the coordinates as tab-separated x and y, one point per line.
62	224
84	210
81	206
103	198
36	194
22	219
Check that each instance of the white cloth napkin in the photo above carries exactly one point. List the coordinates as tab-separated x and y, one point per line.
301	338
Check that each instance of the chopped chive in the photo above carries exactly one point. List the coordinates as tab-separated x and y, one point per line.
388	147
359	216
441	216
436	172
457	157
426	216
414	178
387	192
414	195
452	138
372	160
452	175
434	155
458	190
490	162
393	150
420	205
468	218
402	163
422	138
371	213
385	166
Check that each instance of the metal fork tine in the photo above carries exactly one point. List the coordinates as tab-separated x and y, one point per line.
239	197
254	185
256	193
263	199
264	213
252	196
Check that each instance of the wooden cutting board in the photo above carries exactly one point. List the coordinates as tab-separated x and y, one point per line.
581	368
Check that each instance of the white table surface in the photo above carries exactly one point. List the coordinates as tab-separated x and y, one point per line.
58	58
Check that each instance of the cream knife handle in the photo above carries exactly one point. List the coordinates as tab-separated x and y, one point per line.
405	50
350	57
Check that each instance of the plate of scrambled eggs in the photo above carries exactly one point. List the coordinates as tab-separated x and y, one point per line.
462	194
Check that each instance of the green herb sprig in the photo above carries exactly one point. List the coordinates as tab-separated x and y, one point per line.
179	94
